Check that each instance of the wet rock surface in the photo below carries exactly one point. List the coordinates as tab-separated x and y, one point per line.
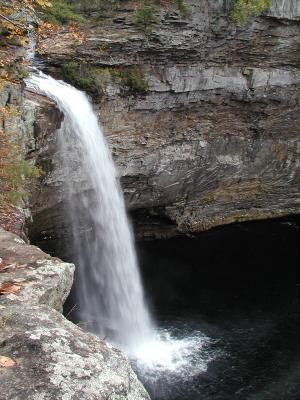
43	355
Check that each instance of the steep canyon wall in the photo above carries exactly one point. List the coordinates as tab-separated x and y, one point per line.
201	114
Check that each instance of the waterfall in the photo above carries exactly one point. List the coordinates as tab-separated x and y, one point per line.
108	285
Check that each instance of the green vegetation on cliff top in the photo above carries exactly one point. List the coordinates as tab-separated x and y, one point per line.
242	10
61	12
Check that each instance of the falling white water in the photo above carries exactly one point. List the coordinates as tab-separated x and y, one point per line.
109	287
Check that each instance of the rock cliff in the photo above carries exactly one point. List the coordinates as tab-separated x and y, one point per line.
201	114
44	356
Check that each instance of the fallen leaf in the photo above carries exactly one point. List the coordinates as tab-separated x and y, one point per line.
9	287
21	265
6	362
3	264
4	268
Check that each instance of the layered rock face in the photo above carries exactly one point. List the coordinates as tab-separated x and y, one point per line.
44	356
26	121
211	137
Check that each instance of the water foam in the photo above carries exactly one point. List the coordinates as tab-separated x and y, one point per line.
165	353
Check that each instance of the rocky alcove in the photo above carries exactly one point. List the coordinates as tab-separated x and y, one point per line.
202	118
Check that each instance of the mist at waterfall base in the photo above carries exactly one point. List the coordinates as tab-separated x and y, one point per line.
237	285
225	302
109	291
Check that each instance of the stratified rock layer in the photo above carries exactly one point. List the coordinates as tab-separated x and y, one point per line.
42	355
214	137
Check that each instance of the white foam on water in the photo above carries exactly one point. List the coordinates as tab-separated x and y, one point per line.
171	357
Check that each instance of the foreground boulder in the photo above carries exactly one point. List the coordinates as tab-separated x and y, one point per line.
54	359
43	355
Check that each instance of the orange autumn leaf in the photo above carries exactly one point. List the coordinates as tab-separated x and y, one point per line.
9	287
3	264
6	362
18	265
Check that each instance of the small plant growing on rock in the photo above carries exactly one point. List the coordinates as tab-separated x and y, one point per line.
146	17
133	78
79	75
181	6
242	10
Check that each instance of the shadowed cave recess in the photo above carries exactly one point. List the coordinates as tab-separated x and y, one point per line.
229	299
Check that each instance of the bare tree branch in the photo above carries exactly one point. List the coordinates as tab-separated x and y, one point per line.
12	22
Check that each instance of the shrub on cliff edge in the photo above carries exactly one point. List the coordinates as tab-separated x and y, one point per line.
79	75
242	10
146	17
60	12
133	78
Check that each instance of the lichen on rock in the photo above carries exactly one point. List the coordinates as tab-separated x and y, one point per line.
51	358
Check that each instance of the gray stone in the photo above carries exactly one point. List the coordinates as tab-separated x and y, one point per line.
214	140
289	9
50	357
42	279
55	359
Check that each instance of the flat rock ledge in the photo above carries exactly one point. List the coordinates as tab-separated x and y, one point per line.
44	356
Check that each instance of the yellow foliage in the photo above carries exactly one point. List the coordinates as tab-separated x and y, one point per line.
44	3
24	8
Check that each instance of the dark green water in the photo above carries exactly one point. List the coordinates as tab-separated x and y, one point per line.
238	287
